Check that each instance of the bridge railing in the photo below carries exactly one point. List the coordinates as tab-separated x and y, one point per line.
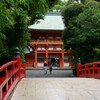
89	70
10	74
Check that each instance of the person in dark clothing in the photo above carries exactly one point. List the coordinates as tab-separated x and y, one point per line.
50	68
45	67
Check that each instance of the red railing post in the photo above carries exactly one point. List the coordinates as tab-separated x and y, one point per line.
78	67
17	57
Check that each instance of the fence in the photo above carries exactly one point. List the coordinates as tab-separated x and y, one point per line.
10	74
89	70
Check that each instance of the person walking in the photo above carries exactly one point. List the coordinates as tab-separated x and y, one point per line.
45	67
50	68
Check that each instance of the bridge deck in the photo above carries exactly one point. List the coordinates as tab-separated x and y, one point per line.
57	89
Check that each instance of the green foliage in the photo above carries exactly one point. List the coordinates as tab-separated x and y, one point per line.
15	16
97	0
70	12
18	30
82	32
97	50
61	5
51	3
5	21
83	1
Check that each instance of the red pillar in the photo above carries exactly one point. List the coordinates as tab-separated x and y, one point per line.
35	58
62	59
35	63
46	54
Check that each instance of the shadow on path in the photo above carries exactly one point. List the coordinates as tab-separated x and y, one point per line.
55	73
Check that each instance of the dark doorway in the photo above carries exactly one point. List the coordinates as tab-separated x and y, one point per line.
54	61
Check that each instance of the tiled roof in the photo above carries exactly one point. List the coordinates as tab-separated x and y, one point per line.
52	21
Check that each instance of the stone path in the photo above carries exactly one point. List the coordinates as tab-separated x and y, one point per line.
55	73
57	89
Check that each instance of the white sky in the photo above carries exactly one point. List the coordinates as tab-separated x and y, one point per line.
64	0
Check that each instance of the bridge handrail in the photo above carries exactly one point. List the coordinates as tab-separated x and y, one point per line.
89	70
10	74
7	64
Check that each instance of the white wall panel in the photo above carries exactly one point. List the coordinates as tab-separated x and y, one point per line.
66	64
40	64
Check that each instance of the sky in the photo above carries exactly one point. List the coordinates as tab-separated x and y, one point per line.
64	0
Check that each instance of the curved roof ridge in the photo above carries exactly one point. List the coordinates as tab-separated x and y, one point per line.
52	21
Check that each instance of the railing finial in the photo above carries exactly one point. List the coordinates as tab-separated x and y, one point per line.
79	60
16	52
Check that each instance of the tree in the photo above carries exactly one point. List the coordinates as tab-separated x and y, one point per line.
18	14
61	5
82	32
70	12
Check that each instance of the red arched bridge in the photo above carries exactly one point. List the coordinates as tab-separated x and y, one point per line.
12	74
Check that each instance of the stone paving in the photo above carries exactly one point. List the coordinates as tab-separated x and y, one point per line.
57	89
